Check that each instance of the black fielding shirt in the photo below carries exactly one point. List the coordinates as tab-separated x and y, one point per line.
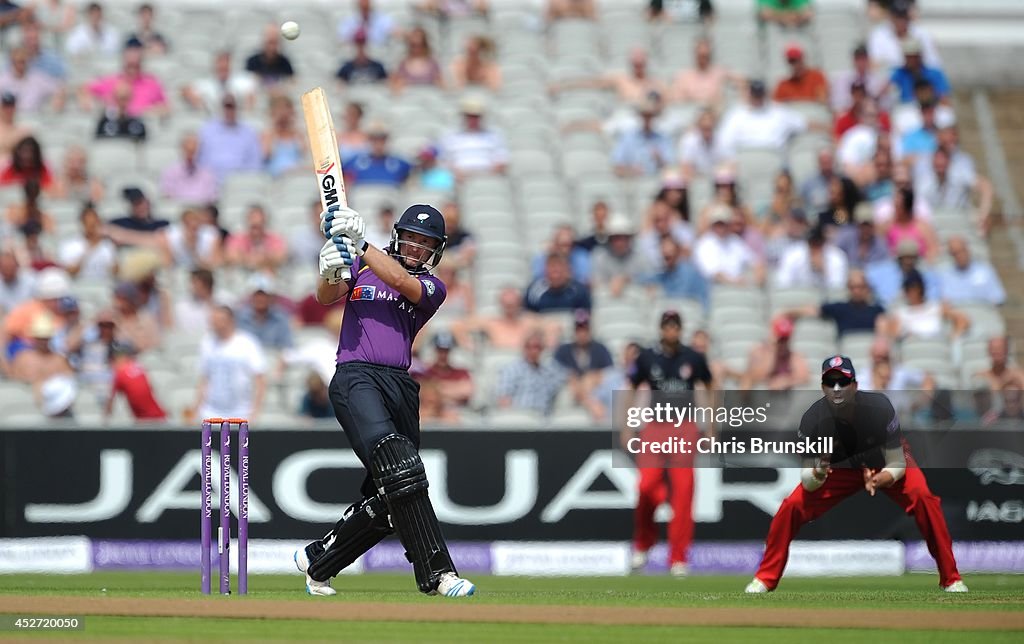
860	441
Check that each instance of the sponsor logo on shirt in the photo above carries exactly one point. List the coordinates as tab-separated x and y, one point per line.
366	292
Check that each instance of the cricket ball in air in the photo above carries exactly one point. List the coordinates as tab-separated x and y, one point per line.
290	30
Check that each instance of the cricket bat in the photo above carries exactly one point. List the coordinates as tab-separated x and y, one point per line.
323	146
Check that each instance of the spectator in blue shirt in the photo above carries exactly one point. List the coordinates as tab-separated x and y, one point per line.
913	70
923	141
585	360
227	145
645	151
361	69
968	280
377	166
556	290
886	277
678	277
264	318
858	314
563	243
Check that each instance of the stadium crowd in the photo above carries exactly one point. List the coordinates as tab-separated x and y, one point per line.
159	232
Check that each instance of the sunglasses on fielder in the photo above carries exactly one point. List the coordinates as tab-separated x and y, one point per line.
833	380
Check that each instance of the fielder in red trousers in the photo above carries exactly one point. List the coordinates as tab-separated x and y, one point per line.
868	453
670	367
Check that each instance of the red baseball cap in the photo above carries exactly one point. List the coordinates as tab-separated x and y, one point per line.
782	327
794	52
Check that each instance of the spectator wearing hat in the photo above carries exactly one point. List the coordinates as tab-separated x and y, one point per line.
922	318
885	42
16	286
35	89
531	382
37	362
269	64
431	174
619	261
145	91
968	280
861	76
474	149
759	123
813	264
263	318
700	148
914	69
887	277
361	69
192	310
678	277
377	166
804	83
207	94
455	384
11	132
91	255
140	219
774	365
643	151
257	248
50	286
130	380
785	13
722	256
861	242
227	145
585	360
56	395
705	82
378	26
475	67
556	290
93	35
116	122
185	180
232	371
858	314
419	66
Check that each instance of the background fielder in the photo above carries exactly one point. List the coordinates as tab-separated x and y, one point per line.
390	297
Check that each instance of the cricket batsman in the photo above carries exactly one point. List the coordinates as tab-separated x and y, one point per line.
868	453
389	297
670	367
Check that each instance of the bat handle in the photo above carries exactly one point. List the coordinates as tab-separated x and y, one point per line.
346	274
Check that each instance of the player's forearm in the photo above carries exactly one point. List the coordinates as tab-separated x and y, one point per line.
391	273
327	293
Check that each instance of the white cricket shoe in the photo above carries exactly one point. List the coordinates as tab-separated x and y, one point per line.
301	560
320	588
679	570
956	587
451	585
756	586
638	561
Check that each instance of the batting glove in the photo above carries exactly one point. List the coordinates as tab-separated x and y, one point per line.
336	258
337	221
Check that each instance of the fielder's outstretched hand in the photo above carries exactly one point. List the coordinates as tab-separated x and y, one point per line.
875	480
336	257
337	221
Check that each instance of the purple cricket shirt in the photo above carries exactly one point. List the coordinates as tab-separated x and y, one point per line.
380	323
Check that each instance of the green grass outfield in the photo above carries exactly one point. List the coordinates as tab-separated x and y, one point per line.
990	593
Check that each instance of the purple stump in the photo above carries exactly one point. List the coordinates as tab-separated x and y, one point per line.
243	508
225	508
206	513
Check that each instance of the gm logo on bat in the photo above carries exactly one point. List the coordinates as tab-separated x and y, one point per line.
327	186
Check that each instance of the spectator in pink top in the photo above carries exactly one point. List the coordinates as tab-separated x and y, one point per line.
905	226
705	82
147	91
186	180
257	249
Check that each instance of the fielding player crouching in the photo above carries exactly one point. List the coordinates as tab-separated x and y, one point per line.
391	295
860	422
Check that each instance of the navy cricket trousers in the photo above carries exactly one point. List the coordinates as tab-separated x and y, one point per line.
371	402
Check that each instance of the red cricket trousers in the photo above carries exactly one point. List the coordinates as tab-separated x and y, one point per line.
665	478
911	493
